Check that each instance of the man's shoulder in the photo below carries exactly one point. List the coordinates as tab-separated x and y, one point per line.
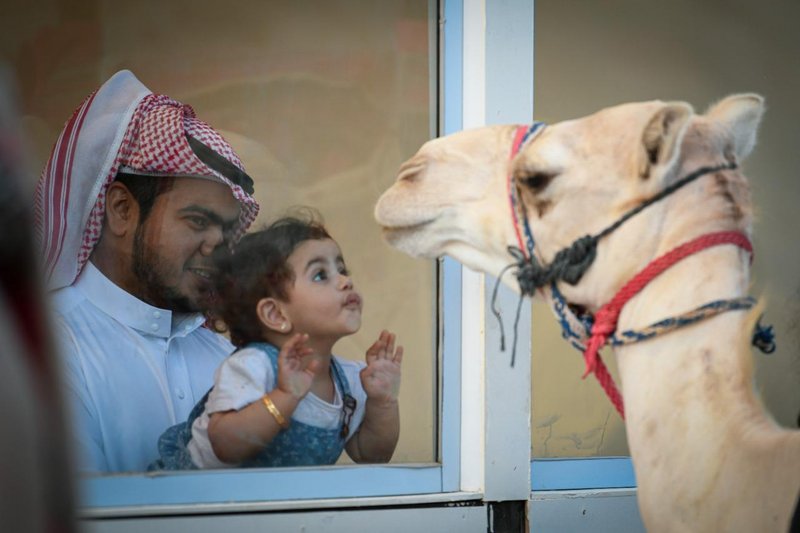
65	300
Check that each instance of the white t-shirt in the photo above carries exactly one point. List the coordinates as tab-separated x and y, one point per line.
245	377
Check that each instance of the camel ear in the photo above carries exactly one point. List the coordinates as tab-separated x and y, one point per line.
661	139
740	115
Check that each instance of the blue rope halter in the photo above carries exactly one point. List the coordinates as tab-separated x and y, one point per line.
571	263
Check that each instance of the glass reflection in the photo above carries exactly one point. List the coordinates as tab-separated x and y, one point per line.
322	122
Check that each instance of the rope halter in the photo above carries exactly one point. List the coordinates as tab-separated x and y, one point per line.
590	334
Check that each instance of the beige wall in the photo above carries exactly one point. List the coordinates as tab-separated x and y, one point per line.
593	54
322	100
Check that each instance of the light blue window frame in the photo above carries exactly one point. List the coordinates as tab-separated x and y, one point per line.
582	474
197	491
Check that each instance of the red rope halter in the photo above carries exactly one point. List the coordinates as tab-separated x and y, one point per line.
606	318
605	321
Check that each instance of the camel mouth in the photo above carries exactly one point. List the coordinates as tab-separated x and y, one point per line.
407	224
398	232
409	238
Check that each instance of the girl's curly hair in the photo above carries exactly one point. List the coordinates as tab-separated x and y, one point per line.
257	267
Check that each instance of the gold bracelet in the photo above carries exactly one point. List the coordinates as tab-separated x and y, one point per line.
273	410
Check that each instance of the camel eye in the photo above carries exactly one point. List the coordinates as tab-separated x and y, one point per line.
536	181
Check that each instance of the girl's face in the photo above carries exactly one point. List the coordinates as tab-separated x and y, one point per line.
322	300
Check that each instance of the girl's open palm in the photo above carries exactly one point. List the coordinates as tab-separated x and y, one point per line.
381	377
295	369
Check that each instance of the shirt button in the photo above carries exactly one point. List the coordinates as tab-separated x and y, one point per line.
156	314
180	394
154	326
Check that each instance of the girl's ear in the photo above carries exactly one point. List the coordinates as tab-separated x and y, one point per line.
270	313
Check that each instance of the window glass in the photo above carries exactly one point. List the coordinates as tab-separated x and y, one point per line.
322	100
571	417
611	59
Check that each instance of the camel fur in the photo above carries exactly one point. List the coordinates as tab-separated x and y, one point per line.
707	456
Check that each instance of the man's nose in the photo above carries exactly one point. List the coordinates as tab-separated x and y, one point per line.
211	240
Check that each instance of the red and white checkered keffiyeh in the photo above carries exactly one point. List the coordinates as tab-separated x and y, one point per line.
121	125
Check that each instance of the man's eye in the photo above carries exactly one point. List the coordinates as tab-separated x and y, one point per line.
198	222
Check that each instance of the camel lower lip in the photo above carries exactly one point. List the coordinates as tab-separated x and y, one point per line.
407	227
397	232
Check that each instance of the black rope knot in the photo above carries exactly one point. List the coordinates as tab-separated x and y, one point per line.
764	338
569	264
529	272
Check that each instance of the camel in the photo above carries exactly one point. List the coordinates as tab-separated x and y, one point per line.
707	456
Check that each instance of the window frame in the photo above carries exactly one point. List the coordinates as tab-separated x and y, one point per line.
471	40
199	491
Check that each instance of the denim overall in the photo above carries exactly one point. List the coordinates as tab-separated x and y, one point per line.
299	445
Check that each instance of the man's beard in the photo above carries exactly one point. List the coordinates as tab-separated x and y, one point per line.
149	271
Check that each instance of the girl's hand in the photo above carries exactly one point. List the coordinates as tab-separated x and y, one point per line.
381	377
295	369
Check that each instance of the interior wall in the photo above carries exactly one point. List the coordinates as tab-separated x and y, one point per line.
590	55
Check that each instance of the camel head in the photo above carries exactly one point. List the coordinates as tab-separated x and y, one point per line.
576	178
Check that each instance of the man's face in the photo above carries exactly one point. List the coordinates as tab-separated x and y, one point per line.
173	245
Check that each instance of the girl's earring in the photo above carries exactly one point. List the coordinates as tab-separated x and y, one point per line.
283	326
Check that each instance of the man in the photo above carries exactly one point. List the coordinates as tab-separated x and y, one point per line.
135	197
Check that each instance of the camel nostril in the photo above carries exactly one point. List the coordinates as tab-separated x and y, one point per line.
411	170
410	174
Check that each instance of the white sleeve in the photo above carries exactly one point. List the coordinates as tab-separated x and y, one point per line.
86	432
240	380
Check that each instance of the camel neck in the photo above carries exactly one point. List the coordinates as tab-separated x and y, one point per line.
713	351
693	420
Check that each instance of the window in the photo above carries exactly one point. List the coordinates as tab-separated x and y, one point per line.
572	418
322	102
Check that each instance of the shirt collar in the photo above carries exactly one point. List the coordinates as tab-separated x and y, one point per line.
131	311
